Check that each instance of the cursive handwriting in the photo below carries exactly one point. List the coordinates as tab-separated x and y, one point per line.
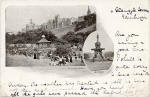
132	13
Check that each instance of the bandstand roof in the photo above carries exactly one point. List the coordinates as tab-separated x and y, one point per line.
43	40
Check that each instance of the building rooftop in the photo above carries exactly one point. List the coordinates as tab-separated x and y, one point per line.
43	40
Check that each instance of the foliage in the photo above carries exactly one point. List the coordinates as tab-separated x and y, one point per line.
76	38
70	37
86	56
109	54
30	37
88	20
62	50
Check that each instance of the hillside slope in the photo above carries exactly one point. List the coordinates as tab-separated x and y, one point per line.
90	28
62	31
59	32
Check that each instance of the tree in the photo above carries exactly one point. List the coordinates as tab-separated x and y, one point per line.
62	50
109	55
70	37
30	37
86	56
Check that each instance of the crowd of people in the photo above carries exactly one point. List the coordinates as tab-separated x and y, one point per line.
64	60
54	60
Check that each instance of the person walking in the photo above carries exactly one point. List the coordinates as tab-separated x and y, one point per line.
34	55
60	61
76	57
81	59
71	59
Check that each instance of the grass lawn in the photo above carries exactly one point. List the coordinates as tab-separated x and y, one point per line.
98	66
75	69
20	60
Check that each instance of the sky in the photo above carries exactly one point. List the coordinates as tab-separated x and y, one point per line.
18	16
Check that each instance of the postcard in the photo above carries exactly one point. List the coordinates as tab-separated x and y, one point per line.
62	48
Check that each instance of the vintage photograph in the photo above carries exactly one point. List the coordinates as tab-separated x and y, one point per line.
98	52
47	35
74	48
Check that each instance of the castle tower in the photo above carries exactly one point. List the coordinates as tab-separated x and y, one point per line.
88	11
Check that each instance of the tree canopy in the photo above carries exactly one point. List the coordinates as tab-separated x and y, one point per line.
62	50
76	38
30	37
